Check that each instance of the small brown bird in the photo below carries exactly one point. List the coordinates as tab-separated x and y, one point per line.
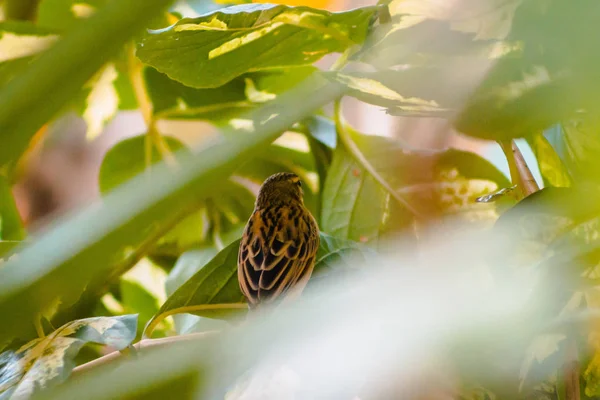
280	242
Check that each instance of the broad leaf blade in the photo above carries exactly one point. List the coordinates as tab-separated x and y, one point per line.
227	43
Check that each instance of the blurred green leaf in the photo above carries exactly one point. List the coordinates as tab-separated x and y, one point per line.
21	42
216	282
7	245
48	361
11	226
431	91
232	41
136	299
581	139
127	159
552	169
22	39
485	19
357	207
63	15
71	62
173	100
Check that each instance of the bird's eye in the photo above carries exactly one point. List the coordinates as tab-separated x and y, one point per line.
299	183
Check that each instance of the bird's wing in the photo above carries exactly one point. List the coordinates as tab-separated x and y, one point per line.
277	251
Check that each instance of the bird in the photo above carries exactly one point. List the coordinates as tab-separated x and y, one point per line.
279	245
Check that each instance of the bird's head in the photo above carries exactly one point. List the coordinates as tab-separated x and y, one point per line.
280	188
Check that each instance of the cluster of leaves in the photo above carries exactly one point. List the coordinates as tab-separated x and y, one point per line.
496	69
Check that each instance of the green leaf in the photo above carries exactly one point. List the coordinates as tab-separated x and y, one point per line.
515	100
186	266
11	226
227	43
551	167
46	362
6	246
172	100
126	159
60	72
63	15
216	282
136	299
357	207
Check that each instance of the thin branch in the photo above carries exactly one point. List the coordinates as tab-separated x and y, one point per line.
528	181
520	173
352	148
142	344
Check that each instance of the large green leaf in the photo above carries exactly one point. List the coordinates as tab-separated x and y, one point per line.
33	97
216	282
48	361
227	43
50	268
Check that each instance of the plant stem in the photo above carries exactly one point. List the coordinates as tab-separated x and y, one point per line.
189	309
142	344
346	140
571	371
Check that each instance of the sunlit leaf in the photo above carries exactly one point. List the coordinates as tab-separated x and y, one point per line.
23	39
227	43
48	361
552	168
102	103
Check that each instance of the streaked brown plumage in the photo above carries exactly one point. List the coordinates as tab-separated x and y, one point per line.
280	243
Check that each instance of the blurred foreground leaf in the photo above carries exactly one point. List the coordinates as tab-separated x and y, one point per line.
48	361
61	72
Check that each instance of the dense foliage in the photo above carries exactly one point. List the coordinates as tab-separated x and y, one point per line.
497	70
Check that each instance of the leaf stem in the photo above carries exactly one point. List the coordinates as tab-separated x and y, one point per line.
346	140
189	309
